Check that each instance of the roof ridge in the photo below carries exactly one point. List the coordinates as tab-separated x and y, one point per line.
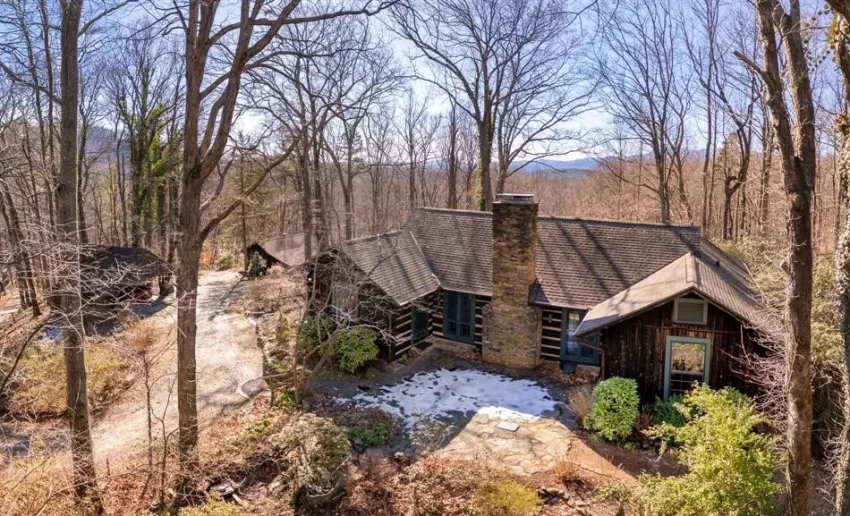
372	237
621	222
451	210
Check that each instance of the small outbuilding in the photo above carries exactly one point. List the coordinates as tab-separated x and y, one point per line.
117	273
286	251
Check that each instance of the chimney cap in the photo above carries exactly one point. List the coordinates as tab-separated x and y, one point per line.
515	198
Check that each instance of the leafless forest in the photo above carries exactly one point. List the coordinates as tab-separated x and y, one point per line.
193	128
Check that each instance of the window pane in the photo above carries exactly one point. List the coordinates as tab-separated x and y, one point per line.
687	366
687	357
572	346
574	321
451	305
690	311
464	307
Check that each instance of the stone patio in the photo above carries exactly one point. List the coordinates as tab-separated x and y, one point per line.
536	446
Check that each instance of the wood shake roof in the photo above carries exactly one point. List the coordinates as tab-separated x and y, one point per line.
580	263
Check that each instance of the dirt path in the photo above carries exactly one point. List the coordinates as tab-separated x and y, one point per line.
227	360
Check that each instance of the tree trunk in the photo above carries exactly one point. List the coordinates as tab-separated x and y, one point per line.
797	149
82	183
70	304
483	185
189	257
766	163
306	203
727	209
452	162
348	192
842	270
839	39
23	265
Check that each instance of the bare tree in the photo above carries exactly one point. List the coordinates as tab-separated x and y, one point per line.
795	136
218	51
70	303
841	49
487	55
646	88
140	85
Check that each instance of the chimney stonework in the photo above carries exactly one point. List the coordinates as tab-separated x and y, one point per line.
516	325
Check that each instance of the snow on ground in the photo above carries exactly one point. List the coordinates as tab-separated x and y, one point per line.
438	394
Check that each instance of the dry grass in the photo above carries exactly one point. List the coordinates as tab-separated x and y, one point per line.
580	400
142	336
35	485
508	498
644	419
39	387
567	472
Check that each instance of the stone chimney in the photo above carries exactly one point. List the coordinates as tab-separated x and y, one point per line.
515	326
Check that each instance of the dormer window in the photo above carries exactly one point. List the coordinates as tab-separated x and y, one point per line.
688	310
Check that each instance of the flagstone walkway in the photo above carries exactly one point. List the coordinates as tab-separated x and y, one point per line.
536	446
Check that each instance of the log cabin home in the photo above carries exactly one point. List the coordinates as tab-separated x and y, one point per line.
657	303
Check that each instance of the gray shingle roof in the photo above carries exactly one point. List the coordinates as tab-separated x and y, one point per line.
395	263
580	263
711	275
459	246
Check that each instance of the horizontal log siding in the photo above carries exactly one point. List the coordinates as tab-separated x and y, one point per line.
434	302
550	336
402	331
636	348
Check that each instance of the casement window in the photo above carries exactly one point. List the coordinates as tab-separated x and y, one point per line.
459	316
688	310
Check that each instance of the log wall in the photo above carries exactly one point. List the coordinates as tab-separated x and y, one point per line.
636	348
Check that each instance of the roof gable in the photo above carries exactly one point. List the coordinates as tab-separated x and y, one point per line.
395	263
458	245
701	273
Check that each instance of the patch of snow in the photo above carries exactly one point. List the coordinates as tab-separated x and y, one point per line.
438	394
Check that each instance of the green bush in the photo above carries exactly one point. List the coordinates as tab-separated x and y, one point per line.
355	348
314	449
668	412
509	498
367	428
614	410
731	467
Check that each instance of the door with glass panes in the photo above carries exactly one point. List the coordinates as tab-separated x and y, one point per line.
459	316
571	350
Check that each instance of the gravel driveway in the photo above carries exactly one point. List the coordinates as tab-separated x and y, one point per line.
227	360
